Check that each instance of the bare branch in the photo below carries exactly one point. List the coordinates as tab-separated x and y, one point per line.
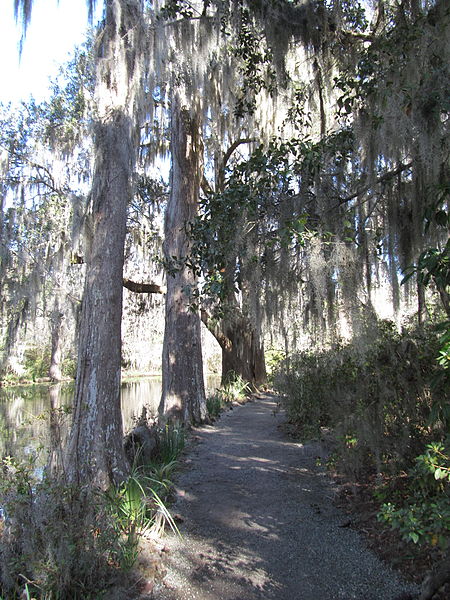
381	179
226	157
143	288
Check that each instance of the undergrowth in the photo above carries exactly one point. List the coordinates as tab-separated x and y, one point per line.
60	541
234	389
385	400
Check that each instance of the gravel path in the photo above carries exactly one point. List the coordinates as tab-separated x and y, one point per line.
259	523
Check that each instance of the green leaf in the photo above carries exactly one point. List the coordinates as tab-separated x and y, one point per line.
439	474
414	537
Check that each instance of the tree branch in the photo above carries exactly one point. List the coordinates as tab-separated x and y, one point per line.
213	328
143	288
381	179
226	157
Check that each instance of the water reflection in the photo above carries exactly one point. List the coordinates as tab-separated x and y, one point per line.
35	417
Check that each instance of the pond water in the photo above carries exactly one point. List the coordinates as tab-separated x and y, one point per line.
25	424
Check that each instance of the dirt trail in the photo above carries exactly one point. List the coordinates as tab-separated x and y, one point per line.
259	522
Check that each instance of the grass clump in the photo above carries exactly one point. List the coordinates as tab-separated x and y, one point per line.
170	443
234	389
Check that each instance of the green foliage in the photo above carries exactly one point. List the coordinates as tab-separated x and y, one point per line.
170	443
273	359
234	389
255	67
37	363
56	537
68	113
433	264
385	398
384	66
175	9
433	267
71	542
256	217
135	507
69	367
422	514
214	405
376	394
444	350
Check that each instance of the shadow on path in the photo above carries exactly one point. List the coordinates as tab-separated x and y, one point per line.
259	522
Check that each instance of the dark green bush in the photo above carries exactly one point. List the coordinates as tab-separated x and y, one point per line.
421	509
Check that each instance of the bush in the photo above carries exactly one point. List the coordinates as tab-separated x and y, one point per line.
56	537
422	512
376	392
63	541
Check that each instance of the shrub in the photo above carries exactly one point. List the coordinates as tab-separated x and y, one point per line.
56	537
422	512
376	392
64	541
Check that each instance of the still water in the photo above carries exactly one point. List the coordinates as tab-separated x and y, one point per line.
25	412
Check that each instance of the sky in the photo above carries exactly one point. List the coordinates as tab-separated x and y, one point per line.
56	27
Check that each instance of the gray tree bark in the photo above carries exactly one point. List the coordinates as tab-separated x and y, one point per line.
95	450
183	399
56	328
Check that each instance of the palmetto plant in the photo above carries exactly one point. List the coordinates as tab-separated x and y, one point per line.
235	389
137	506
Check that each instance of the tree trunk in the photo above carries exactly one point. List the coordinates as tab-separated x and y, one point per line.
244	355
95	451
238	336
183	397
56	328
242	348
